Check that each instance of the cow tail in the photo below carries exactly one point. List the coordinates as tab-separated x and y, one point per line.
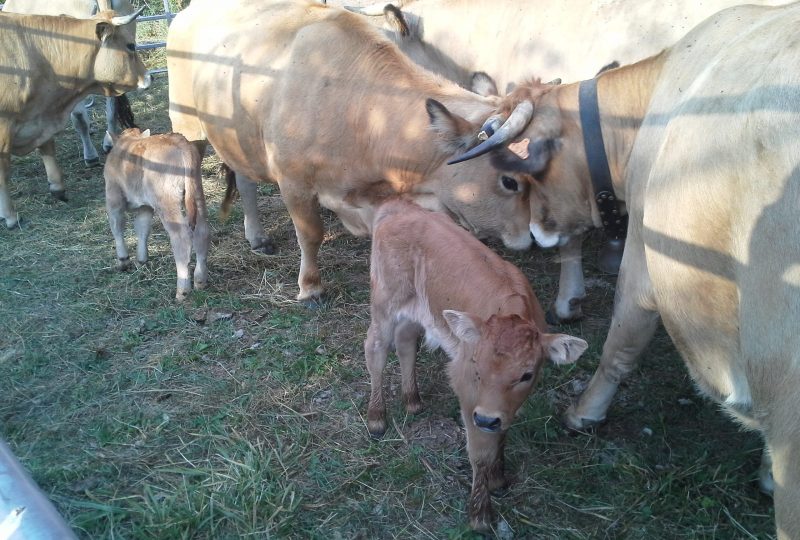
193	198
124	113
230	192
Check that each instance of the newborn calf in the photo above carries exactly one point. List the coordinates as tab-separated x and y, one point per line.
430	275
161	174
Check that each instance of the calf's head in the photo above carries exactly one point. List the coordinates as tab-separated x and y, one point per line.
117	67
498	363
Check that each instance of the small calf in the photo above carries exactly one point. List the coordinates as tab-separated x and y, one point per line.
161	174
430	275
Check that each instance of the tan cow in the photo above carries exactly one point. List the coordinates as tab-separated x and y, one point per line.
428	275
703	143
47	65
159	174
319	102
117	107
569	39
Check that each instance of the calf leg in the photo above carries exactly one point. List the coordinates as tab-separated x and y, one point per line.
632	328
785	451
7	211
80	121
54	177
376	348
304	211
115	208
181	241
571	288
142	224
253	231
406	334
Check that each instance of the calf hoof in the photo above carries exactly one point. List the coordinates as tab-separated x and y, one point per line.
609	258
313	301
413	404
766	482
263	246
94	162
572	420
376	428
60	194
181	295
481	523
200	285
124	264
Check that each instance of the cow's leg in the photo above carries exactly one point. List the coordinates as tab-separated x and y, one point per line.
304	211
406	335
115	208
376	348
253	231
632	328
200	242
485	452
571	288
142	224
81	123
7	210
784	448
54	177
180	239
111	124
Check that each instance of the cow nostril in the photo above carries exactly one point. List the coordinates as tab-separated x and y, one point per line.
486	423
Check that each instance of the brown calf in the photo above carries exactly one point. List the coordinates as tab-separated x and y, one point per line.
430	275
161	174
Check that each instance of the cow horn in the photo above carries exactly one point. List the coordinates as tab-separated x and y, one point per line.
512	127
122	20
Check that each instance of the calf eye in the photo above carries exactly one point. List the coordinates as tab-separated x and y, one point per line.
526	377
131	47
509	183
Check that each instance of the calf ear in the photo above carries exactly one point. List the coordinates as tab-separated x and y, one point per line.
563	349
463	325
456	133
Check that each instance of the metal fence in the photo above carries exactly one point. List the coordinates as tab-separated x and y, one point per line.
168	15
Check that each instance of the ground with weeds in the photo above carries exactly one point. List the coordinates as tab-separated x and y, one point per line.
240	413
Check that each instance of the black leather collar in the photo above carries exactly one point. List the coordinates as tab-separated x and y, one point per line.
614	218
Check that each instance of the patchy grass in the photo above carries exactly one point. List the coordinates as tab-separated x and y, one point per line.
240	412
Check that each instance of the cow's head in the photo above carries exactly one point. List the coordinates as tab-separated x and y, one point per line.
548	153
482	199
117	67
498	364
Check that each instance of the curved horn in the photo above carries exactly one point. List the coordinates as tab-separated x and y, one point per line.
376	10
122	20
516	122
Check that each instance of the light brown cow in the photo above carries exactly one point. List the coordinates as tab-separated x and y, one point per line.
429	275
159	174
703	143
320	102
47	65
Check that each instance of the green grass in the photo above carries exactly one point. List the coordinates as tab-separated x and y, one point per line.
240	413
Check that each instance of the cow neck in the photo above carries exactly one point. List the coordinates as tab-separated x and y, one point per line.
76	57
612	212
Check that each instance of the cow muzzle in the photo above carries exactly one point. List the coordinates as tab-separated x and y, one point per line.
145	82
489	424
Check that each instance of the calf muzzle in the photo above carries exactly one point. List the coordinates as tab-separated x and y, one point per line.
487	423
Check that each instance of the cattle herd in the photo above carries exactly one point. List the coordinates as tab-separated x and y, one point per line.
402	132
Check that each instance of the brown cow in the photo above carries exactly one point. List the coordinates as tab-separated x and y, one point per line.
47	65
320	102
429	275
159	174
702	142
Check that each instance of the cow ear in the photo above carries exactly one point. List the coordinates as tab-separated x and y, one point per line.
483	85
563	349
395	20
463	325
103	30
531	160
456	134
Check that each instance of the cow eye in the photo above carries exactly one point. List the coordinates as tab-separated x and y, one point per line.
526	377
509	183
131	47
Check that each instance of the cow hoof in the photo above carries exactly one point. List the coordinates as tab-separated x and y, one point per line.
16	223
376	428
124	264
94	162
576	422
181	295
263	246
61	195
313	302
609	258
552	317
766	482
200	285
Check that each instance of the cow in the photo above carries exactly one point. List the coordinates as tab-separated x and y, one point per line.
511	40
117	107
428	275
702	143
318	101
47	65
159	174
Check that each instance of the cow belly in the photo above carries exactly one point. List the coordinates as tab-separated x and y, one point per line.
30	135
357	221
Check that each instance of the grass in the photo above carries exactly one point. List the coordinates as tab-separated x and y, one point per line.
240	413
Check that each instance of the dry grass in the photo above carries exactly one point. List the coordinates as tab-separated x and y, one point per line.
239	414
